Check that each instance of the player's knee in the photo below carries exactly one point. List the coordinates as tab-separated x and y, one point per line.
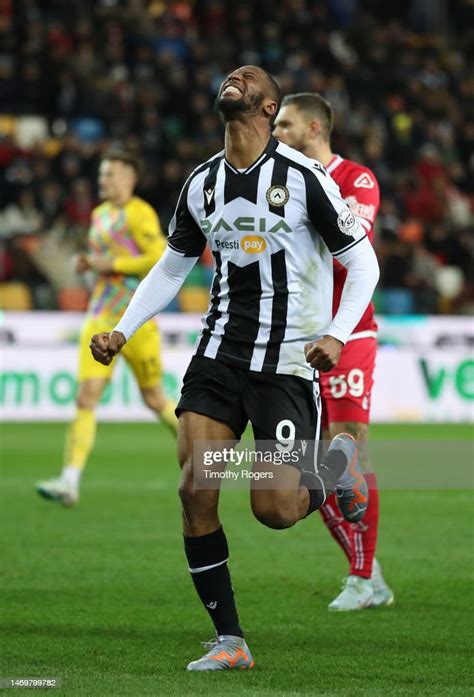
153	399
186	489
189	490
199	506
89	394
86	402
190	497
277	516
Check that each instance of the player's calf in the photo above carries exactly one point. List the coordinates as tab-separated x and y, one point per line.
359	431
285	503
199	505
276	514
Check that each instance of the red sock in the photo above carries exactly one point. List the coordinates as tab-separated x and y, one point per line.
364	534
339	528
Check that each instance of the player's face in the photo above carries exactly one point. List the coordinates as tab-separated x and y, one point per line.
243	90
116	180
292	128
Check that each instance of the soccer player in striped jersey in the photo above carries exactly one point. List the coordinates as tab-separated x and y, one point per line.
125	241
305	123
272	218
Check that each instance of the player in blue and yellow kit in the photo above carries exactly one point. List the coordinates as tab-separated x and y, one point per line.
125	241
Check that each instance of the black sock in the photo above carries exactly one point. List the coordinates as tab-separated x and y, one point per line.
332	467
213	585
321	485
315	489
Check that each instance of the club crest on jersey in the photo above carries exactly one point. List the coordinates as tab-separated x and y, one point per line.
346	221
363	181
278	195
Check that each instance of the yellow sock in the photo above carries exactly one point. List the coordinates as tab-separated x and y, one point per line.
168	416
80	439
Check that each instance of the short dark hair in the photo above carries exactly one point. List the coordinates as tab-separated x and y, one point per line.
121	155
313	105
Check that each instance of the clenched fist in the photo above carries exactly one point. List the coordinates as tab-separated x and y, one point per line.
100	263
323	354
81	263
105	346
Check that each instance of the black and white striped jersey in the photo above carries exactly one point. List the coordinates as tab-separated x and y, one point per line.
272	229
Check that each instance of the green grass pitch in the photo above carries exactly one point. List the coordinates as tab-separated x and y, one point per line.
100	596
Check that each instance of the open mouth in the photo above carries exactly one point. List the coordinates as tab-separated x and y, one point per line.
229	90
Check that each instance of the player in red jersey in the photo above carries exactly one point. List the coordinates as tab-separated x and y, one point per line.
305	123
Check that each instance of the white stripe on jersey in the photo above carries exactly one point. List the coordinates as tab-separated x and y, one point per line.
266	300
219	327
219	190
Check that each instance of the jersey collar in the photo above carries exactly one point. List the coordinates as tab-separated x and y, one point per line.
334	163
266	154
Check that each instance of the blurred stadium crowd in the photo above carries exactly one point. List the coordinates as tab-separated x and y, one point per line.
79	75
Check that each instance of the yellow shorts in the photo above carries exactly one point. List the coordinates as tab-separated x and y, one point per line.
142	353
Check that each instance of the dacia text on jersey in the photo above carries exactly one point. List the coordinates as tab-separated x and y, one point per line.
243	224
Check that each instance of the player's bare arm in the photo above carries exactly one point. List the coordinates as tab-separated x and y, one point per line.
106	346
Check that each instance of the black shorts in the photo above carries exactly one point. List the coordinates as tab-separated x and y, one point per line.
279	407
